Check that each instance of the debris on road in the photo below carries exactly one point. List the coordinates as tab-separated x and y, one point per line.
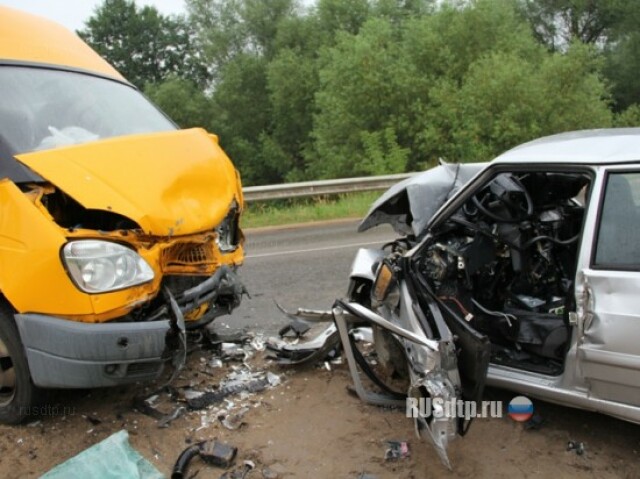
112	458
295	329
212	452
576	446
396	450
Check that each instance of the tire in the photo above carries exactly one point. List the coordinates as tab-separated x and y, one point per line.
18	395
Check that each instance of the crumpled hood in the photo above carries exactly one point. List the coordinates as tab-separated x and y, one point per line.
409	205
170	183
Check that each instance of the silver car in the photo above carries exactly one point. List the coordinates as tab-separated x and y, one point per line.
523	273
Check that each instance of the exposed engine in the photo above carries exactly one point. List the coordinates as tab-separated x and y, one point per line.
506	261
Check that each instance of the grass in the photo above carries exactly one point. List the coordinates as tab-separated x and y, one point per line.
302	210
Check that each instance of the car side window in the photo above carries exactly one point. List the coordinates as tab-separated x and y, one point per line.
618	244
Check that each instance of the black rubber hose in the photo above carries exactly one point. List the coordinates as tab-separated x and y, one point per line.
364	365
182	464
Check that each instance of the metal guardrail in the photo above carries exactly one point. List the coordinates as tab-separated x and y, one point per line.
322	187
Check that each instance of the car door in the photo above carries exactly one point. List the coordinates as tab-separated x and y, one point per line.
609	292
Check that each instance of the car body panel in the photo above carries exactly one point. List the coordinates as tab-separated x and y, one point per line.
26	38
410	204
170	183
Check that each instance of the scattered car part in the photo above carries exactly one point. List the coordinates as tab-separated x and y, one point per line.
296	328
324	344
210	398
111	457
212	452
576	446
396	450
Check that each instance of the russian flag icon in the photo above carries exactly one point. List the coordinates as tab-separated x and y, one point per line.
520	409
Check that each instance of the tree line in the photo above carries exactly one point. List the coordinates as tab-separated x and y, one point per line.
341	88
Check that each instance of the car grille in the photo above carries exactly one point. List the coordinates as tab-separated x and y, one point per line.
188	254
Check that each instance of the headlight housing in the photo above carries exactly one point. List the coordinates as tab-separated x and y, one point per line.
97	266
385	287
227	231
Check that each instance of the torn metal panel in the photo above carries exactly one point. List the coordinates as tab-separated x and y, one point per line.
409	205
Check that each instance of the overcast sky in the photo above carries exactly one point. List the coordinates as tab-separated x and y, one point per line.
73	13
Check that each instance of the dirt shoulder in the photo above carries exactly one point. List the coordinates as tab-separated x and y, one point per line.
311	426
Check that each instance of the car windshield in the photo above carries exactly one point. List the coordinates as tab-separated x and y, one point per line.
44	109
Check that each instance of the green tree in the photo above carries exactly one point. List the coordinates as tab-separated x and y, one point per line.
558	23
182	101
227	28
144	45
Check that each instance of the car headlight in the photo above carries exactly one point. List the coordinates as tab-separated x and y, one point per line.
227	232
385	286
99	266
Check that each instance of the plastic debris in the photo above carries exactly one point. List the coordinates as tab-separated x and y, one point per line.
216	363
175	414
576	446
112	458
233	351
210	398
234	421
396	450
295	329
247	467
362	335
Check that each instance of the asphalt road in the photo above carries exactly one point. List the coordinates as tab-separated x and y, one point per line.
304	266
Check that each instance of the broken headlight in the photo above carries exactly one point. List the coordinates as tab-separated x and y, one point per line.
385	287
99	266
228	235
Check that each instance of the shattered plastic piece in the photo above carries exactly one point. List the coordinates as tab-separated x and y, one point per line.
175	414
112	458
576	446
397	450
145	406
235	421
233	351
274	379
295	329
209	398
192	394
323	345
363	335
216	363
258	343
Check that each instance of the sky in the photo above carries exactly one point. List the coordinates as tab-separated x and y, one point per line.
73	13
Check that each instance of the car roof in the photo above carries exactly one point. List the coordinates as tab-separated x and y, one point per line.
32	40
603	146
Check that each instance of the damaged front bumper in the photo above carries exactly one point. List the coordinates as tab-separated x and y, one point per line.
428	373
70	354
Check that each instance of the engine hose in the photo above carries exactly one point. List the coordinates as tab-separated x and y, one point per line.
552	239
185	457
364	365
